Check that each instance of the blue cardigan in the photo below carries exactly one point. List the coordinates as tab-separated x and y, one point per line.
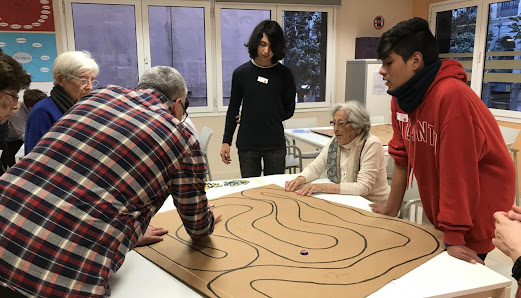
40	120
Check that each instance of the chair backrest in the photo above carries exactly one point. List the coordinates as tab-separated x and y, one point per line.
293	159
204	138
389	167
377	120
301	122
509	135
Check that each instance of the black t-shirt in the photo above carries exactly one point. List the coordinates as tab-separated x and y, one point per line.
267	96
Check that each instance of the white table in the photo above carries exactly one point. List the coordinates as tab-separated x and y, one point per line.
305	135
317	140
442	276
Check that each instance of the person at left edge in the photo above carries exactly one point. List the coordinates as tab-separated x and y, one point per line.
80	200
17	122
12	79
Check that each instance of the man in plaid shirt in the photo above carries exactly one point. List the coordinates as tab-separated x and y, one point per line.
74	206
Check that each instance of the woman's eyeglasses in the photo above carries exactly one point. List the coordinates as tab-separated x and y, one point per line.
12	95
339	123
85	82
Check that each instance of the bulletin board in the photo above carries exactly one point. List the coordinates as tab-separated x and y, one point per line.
26	15
34	51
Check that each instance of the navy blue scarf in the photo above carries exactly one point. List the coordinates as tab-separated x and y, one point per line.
410	94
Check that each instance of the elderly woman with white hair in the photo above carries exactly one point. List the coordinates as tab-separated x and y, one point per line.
74	76
353	159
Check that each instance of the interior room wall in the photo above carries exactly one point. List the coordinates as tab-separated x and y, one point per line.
420	8
354	20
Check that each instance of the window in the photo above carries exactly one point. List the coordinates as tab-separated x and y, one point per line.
108	32
493	60
455	32
203	39
306	33
502	76
236	23
177	39
236	28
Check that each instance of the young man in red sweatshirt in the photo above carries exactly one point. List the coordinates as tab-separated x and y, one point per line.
447	138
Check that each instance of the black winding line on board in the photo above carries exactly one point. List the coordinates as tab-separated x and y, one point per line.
254	246
338	268
275	207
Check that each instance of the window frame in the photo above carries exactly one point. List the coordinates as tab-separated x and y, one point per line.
330	52
218	46
213	55
478	62
69	24
208	40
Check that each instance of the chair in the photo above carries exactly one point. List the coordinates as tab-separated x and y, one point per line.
412	208
204	140
293	158
375	120
389	167
510	135
303	123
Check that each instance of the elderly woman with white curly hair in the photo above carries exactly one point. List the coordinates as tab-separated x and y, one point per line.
353	159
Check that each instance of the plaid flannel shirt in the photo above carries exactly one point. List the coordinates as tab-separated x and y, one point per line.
74	206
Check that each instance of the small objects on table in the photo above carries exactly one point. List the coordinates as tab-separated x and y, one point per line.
235	182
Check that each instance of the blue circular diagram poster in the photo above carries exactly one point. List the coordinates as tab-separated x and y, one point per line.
35	51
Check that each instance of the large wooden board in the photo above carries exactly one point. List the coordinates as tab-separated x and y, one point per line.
255	251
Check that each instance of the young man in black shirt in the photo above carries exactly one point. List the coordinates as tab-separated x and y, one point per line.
266	90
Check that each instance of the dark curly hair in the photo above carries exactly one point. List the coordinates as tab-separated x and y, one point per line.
32	96
12	75
408	37
275	35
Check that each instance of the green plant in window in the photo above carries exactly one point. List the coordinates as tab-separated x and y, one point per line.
515	27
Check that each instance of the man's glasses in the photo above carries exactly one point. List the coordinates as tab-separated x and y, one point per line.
339	123
12	95
85	82
185	107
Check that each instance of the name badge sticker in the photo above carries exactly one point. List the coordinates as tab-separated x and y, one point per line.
402	117
262	80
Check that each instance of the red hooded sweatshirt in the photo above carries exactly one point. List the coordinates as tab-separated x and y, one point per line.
454	147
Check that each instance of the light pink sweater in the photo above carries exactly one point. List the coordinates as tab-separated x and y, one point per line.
372	177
